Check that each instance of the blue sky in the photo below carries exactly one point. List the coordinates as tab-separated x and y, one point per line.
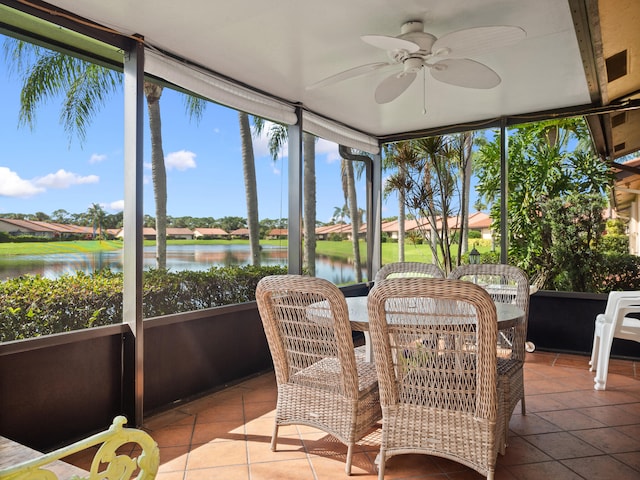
42	170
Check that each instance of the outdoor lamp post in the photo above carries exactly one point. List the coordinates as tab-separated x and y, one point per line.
474	256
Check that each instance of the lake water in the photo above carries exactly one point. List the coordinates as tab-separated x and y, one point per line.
179	257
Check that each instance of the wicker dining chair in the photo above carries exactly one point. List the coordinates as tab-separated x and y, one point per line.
505	284
320	381
409	269
439	397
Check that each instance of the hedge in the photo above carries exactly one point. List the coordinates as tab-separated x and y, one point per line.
31	306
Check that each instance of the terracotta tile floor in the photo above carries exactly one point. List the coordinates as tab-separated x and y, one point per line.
570	431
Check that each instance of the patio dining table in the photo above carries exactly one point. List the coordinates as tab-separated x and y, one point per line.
509	315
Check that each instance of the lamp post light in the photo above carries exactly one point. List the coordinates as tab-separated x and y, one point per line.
474	256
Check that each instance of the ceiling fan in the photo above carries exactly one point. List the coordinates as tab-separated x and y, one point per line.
444	57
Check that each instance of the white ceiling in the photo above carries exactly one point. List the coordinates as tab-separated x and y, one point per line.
283	46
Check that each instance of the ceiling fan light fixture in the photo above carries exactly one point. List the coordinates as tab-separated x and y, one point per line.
413	65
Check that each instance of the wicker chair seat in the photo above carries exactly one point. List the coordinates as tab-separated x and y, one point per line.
325	374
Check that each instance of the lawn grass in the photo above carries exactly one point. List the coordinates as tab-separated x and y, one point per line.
339	250
48	248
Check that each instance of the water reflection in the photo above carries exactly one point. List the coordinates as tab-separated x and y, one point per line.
179	257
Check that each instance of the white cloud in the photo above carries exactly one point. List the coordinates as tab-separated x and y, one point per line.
181	160
11	185
330	149
147	165
116	206
274	168
97	158
64	179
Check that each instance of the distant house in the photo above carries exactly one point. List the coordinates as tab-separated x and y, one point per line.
113	232
392	228
148	233
478	221
240	233
179	233
52	230
278	233
27	227
210	233
323	233
481	222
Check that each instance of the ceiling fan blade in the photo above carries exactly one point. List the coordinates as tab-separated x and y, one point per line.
463	72
393	86
350	73
475	41
390	43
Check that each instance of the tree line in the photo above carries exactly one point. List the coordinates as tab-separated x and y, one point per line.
115	220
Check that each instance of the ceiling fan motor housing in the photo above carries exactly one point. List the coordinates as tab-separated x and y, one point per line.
413	32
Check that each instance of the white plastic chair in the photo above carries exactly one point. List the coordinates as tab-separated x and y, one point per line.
613	323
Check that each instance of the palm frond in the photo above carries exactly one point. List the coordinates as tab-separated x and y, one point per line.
88	91
195	107
48	77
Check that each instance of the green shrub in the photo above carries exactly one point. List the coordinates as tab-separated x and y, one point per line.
486	257
614	244
31	306
474	234
6	238
34	306
619	272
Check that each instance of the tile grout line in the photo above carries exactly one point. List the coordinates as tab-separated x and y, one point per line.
193	431
246	441
307	454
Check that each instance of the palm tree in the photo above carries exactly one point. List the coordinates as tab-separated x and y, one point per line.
430	181
249	169
277	136
399	155
309	202
97	215
466	167
348	173
153	92
339	213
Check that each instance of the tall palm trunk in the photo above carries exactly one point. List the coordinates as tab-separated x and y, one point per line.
355	218
153	92
249	169
467	144
402	170
309	155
